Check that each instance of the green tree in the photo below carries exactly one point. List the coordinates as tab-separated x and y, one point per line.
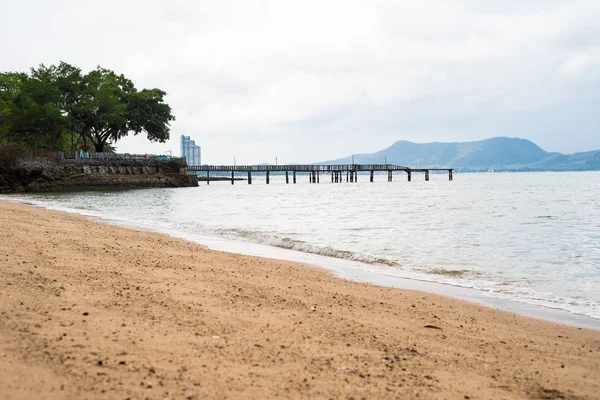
10	84
52	106
32	106
110	107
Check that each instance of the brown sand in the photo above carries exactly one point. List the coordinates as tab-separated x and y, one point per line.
88	310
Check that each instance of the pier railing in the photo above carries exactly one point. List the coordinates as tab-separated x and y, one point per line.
315	170
82	156
298	168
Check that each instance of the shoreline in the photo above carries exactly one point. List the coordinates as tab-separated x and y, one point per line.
93	310
352	270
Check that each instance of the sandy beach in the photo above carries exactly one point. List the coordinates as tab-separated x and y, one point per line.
89	310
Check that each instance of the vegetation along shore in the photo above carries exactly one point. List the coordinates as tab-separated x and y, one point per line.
59	127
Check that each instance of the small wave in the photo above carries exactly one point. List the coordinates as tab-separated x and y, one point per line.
508	290
82	207
299	245
449	272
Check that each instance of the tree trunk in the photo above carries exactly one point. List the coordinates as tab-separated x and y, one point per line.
99	147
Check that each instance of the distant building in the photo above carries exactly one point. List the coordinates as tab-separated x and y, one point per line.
190	151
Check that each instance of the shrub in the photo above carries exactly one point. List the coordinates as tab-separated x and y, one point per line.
10	153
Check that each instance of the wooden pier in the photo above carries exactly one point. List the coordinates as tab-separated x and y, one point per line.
316	171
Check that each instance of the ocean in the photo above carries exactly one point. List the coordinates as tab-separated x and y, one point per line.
526	242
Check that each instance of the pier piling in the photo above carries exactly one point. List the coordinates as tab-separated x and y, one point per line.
313	171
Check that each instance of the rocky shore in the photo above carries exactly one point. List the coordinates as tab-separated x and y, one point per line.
47	175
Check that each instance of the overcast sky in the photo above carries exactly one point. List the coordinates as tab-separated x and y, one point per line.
313	80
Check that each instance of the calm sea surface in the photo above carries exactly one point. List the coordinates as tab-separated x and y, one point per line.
530	237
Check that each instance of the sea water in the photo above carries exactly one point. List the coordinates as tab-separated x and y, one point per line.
533	238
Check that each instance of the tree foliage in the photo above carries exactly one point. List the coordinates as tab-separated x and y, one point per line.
51	105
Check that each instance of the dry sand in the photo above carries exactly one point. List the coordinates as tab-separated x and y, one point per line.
89	310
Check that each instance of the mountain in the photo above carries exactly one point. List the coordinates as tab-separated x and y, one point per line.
500	153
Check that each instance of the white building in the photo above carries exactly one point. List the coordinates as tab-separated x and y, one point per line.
190	151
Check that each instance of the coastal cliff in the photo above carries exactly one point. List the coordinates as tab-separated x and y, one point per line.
47	175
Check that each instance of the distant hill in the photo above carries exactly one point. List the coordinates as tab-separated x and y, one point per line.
501	153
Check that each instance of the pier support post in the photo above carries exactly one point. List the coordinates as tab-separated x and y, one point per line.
450	177
409	175
372	173
389	175
310	177
267	177
232	172
355	176
249	178
347	173
208	177
294	176
318	179
287	177
331	176
351	176
427	175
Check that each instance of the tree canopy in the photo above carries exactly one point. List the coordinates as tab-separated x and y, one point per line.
50	106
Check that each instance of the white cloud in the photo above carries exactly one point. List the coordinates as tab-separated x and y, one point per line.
319	79
584	64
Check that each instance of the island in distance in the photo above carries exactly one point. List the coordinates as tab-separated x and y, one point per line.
498	154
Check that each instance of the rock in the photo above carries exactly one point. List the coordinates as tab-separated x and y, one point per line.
47	176
43	175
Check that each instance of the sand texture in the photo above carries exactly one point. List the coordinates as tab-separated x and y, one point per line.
93	311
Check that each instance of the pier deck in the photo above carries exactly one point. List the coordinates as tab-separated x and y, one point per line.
315	171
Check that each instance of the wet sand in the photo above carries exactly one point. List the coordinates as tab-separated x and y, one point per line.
89	310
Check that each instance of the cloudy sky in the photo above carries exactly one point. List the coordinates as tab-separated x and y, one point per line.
313	80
